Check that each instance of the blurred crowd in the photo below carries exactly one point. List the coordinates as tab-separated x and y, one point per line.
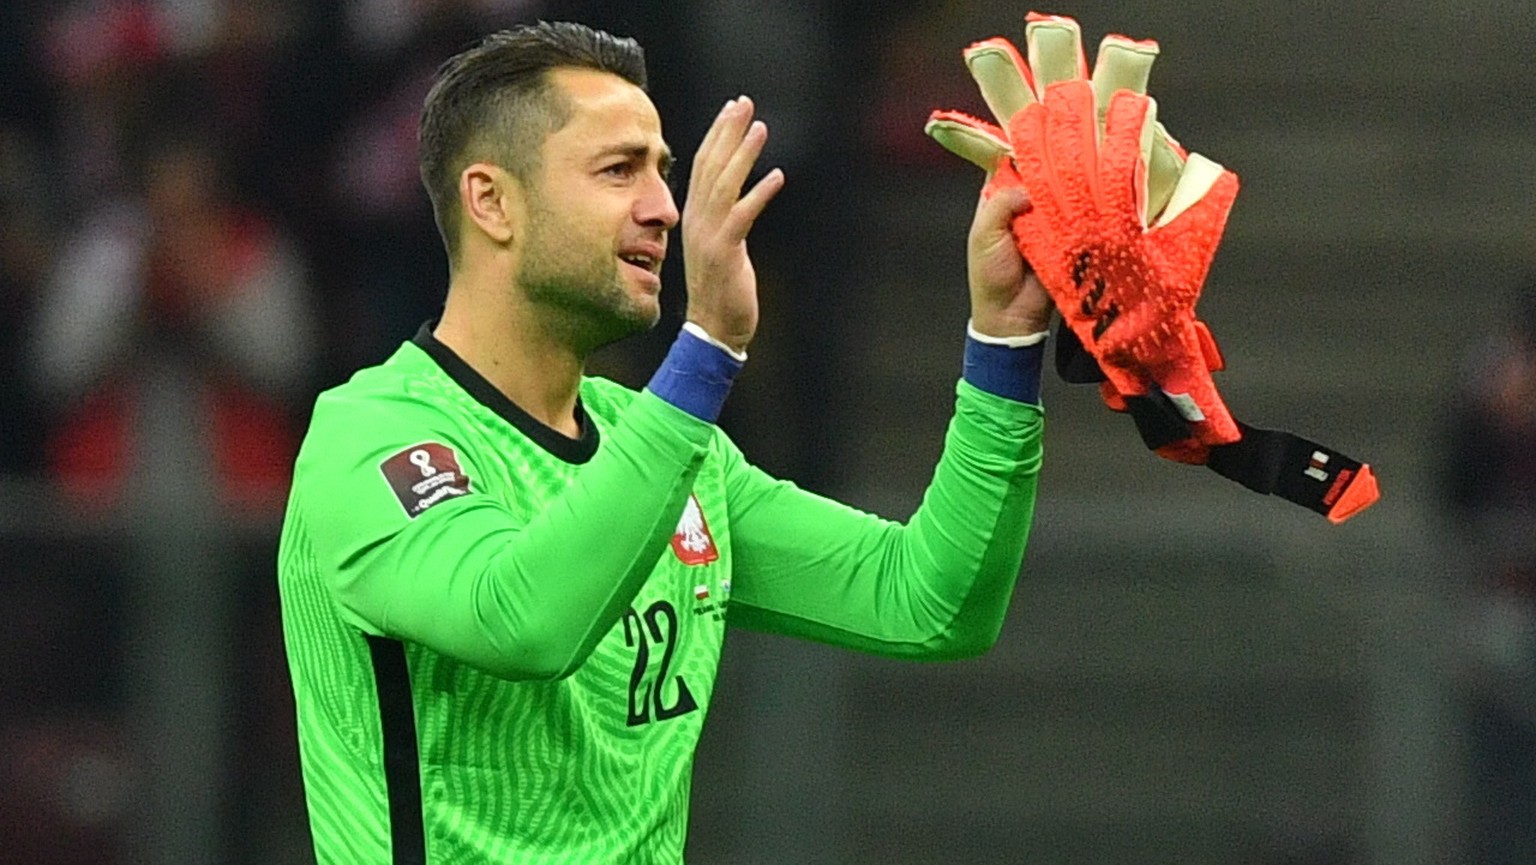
232	188
211	186
208	211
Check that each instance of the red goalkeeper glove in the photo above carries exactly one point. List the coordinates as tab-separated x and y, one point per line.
1122	232
1158	343
1125	284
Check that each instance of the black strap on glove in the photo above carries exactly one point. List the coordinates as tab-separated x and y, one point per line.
1270	462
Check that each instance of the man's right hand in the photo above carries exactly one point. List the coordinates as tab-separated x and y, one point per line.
722	286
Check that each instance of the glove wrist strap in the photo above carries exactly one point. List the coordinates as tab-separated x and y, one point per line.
1269	462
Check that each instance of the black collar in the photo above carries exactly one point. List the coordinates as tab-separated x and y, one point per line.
577	450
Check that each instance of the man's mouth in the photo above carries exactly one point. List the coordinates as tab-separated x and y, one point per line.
649	263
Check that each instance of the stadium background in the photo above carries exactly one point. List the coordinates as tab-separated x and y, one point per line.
1190	673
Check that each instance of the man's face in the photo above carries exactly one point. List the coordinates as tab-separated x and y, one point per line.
599	210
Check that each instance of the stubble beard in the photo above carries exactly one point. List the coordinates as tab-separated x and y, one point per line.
581	290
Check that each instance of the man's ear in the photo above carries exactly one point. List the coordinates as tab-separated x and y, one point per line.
493	201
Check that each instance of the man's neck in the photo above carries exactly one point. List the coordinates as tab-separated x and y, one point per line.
516	353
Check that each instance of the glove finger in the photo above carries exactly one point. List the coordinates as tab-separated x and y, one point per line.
1069	142
969	138
1002	76
1163	170
1055	152
1128	134
1029	134
1055	45
1188	243
1122	64
1126	64
1045	232
1201	183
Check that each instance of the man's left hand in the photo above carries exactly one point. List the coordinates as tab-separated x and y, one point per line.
1006	297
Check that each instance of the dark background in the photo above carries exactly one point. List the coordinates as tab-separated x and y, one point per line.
209	211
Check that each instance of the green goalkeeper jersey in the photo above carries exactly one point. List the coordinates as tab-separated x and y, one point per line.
503	641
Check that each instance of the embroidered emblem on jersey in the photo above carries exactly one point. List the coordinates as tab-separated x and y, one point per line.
692	542
712	604
424	475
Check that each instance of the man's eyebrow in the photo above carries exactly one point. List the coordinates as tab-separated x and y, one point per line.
640	153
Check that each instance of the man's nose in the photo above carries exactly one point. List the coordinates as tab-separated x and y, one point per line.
656	206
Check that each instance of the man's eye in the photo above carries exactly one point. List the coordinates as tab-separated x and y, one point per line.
619	169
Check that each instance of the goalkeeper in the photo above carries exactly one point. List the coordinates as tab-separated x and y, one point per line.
505	584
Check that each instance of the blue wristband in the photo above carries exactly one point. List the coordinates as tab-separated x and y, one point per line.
695	377
1011	373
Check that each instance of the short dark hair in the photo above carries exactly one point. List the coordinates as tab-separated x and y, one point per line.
494	101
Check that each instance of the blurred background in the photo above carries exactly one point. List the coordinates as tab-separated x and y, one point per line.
209	211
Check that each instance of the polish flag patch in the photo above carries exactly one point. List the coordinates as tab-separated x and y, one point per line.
425	475
692	543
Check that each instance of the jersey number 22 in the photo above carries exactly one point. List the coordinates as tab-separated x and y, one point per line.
658	624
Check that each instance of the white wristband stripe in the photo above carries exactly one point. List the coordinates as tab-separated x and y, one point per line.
699	331
1009	341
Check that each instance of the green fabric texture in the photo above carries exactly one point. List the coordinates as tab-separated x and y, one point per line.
562	621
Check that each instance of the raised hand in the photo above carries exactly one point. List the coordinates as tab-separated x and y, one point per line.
1007	298
722	285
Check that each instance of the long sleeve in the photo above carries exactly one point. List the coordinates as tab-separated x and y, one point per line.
522	598
936	587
